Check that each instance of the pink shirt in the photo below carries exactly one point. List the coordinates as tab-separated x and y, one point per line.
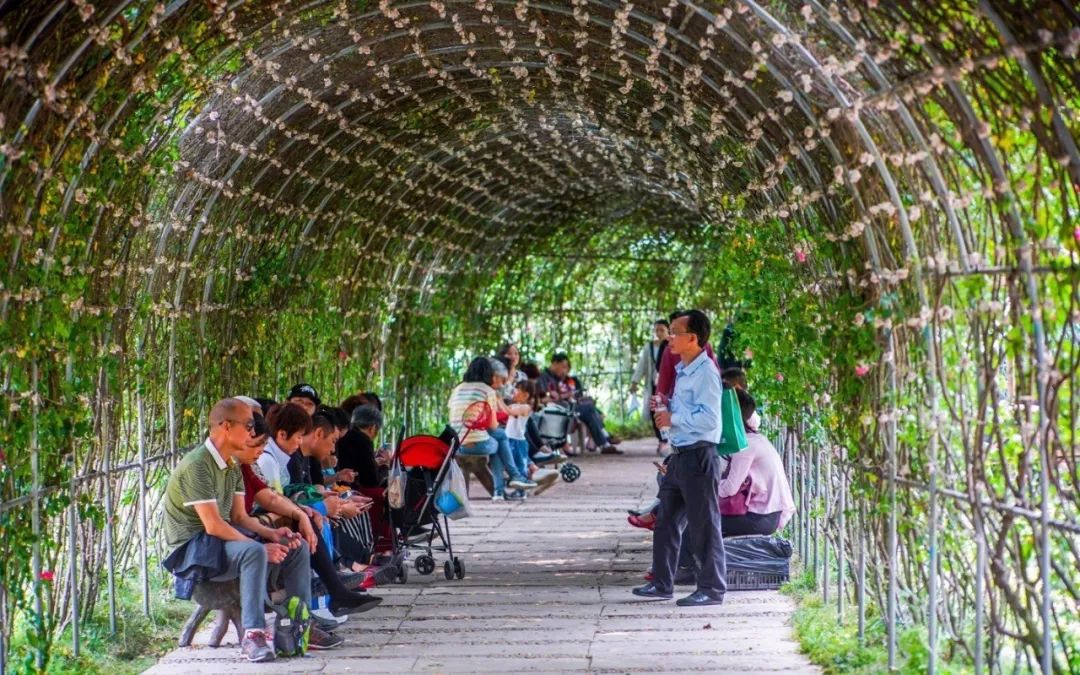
769	491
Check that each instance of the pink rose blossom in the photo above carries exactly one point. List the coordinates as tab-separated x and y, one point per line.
861	370
1076	234
800	255
779	377
748	354
343	355
47	575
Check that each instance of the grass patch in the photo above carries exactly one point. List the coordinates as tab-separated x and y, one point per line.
137	644
835	645
632	427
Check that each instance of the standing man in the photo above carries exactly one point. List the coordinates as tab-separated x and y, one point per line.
688	495
648	365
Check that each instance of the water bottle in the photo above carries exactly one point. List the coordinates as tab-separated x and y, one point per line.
658	405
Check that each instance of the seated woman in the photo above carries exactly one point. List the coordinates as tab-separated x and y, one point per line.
356	449
753	484
755	475
476	386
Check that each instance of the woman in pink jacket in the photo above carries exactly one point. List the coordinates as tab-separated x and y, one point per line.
754	494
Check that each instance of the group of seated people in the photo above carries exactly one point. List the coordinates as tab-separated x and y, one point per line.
754	494
511	440
289	492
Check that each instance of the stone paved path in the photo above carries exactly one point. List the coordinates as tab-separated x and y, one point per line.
547	589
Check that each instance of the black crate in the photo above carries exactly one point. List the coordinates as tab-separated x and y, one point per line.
741	580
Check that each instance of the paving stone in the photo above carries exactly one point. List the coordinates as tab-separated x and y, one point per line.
547	590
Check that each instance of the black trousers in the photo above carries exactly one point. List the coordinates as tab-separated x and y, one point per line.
689	506
590	417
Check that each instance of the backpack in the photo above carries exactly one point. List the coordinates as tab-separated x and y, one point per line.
292	627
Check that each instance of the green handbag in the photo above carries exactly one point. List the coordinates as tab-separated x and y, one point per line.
733	434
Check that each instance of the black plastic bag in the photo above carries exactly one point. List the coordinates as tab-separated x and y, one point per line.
758	553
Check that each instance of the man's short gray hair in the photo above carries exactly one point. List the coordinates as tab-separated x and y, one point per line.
499	367
367	416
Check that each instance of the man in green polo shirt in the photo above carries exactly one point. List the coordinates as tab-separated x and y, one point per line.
205	493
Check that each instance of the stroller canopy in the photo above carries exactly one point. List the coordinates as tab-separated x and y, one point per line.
428	452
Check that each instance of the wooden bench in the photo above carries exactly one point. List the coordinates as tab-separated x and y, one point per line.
222	596
476	465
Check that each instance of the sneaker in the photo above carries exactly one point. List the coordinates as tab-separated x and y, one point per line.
540	475
516	496
611	450
328	620
351	581
522	484
361	603
497	497
255	647
377	575
321	639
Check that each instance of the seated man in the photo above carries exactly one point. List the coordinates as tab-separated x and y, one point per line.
305	396
562	388
259	494
205	496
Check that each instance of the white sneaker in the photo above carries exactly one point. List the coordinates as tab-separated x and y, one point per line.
540	474
497	498
325	615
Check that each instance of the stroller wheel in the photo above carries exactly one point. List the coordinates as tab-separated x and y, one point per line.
448	570
570	472
425	564
459	568
402	574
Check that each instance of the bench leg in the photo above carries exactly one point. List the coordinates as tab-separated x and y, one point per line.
480	469
230	615
192	625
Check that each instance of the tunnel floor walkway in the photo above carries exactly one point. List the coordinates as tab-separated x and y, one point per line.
547	589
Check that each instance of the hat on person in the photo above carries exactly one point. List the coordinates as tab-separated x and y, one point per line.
307	391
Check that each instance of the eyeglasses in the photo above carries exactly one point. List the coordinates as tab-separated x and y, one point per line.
674	334
249	424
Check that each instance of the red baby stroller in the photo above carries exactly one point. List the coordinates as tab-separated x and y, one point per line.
425	463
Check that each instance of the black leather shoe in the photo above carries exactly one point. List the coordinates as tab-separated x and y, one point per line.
698	599
685	576
649	591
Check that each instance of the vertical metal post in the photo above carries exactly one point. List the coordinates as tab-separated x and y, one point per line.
890	449
980	590
3	622
35	507
815	460
807	473
143	543
73	558
932	572
841	543
860	590
825	457
110	555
